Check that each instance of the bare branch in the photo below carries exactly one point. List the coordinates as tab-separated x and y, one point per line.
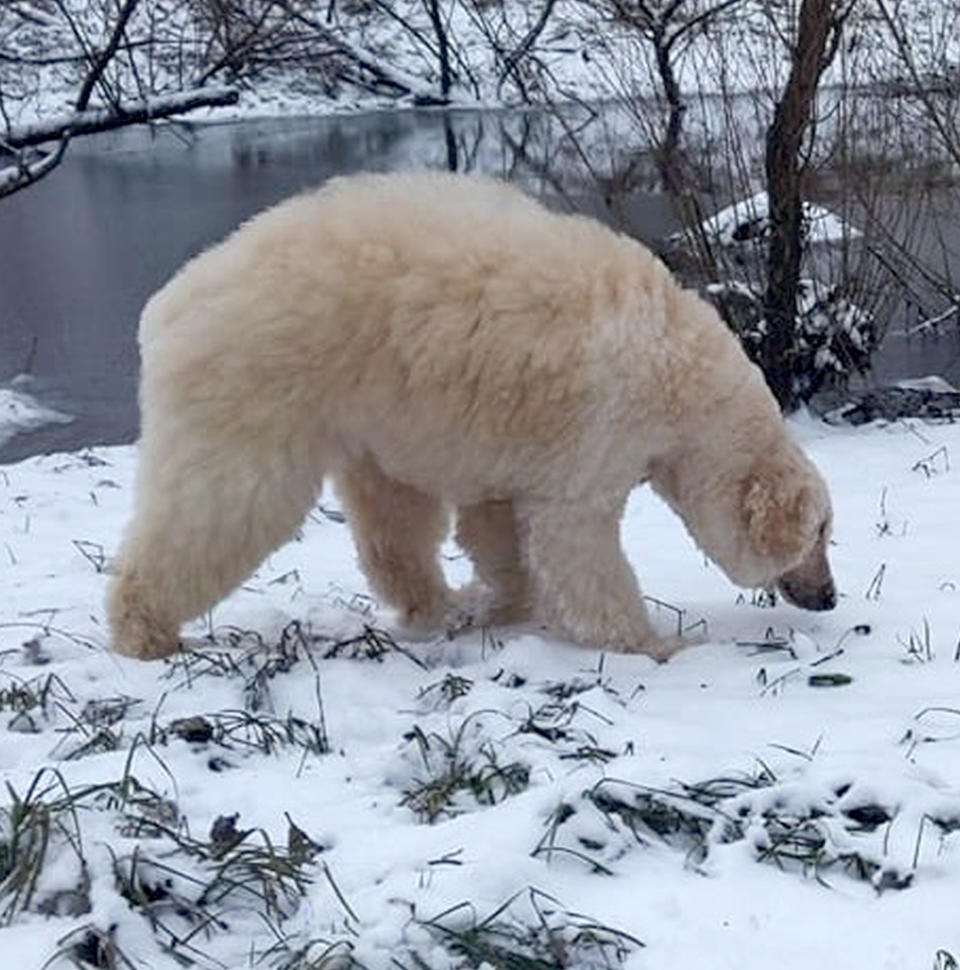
95	120
708	13
389	76
102	59
947	131
512	59
26	171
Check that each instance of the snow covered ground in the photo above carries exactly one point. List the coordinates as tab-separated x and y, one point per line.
749	219
305	792
20	411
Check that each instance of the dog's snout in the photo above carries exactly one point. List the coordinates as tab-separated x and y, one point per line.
822	599
819	598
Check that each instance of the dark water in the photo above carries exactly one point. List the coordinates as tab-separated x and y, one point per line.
82	250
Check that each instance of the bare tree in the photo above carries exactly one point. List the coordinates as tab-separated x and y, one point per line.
131	62
29	162
667	25
666	30
818	32
438	22
930	81
512	34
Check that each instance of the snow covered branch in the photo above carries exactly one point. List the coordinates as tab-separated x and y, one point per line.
27	170
100	59
94	120
24	173
367	63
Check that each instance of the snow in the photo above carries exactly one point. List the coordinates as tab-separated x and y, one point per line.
933	382
174	50
749	219
20	411
562	731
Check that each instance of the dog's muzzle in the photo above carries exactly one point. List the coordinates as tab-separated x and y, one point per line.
820	597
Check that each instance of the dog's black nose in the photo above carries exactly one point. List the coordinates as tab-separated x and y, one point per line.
826	599
820	598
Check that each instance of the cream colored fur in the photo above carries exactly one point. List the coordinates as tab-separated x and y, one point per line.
432	342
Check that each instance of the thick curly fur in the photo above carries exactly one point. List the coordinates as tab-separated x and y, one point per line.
437	342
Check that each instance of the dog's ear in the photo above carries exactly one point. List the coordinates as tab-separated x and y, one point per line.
781	510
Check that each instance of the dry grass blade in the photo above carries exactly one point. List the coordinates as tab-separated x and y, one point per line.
372	644
455	766
444	692
541	936
38	694
316	954
90	946
243	730
30	827
945	960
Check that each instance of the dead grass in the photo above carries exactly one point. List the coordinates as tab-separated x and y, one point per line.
456	767
811	836
530	931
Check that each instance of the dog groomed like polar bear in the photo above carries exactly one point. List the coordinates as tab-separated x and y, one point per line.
433	341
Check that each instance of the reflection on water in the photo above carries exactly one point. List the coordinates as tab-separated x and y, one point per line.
82	250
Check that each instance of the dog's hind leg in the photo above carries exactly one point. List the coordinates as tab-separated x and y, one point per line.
208	510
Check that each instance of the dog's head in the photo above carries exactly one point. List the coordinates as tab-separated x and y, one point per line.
766	521
786	520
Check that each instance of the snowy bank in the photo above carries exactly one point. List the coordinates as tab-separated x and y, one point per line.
20	412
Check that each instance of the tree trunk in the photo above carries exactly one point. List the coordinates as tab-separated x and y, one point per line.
671	160
663	49
443	47
783	169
